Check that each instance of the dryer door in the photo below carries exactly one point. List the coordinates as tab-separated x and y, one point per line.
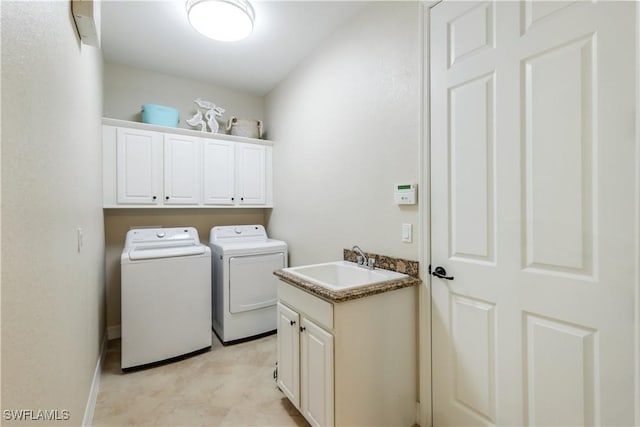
252	284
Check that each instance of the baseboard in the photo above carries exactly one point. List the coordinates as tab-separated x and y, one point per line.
114	332
95	386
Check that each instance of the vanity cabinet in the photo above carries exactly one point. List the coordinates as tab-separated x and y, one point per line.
147	166
352	362
305	365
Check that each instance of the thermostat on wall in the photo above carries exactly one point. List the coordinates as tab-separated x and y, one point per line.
405	194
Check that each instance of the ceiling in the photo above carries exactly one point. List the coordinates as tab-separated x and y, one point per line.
156	35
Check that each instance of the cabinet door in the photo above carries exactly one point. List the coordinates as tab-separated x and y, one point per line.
181	170
219	172
316	372
138	166
252	174
289	353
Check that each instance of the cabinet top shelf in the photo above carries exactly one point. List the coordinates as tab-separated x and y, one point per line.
180	131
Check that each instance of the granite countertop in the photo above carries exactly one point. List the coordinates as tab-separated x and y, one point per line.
388	263
347	294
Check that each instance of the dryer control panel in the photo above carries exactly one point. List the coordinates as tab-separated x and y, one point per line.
238	233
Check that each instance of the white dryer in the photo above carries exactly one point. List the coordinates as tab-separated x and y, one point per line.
166	295
245	291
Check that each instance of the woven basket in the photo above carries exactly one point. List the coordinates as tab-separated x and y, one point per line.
246	128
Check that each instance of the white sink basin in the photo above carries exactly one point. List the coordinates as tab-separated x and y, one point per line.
341	275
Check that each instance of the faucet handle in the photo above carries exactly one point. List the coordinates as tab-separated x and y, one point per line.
371	263
360	259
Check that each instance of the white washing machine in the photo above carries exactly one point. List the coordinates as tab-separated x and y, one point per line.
245	291
166	295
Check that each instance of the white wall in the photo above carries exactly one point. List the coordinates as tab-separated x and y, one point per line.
52	296
127	88
346	126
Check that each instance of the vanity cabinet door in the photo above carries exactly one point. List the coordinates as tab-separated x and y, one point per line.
316	370
289	353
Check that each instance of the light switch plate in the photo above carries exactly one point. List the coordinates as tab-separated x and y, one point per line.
80	236
407	233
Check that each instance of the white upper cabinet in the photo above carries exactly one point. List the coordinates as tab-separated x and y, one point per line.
236	173
252	174
145	166
219	172
182	176
138	167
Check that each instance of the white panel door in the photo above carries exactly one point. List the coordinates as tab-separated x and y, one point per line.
252	283
252	174
182	178
289	353
316	374
534	185
219	172
138	166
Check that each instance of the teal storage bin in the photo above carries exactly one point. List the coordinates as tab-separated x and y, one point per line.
160	115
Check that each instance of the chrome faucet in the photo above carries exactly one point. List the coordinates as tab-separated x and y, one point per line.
363	261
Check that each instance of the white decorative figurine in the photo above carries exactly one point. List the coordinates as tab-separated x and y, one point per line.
197	121
212	111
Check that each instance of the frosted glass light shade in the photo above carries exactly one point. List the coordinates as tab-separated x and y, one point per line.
224	20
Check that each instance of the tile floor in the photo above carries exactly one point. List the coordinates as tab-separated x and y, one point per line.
227	386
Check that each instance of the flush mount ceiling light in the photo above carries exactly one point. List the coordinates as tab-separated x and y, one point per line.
224	20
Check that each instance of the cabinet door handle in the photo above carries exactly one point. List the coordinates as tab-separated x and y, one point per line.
302	329
293	322
241	199
154	197
167	198
233	198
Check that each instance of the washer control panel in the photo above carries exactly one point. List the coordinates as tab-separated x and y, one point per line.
158	237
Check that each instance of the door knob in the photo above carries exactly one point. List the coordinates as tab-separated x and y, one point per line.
440	272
